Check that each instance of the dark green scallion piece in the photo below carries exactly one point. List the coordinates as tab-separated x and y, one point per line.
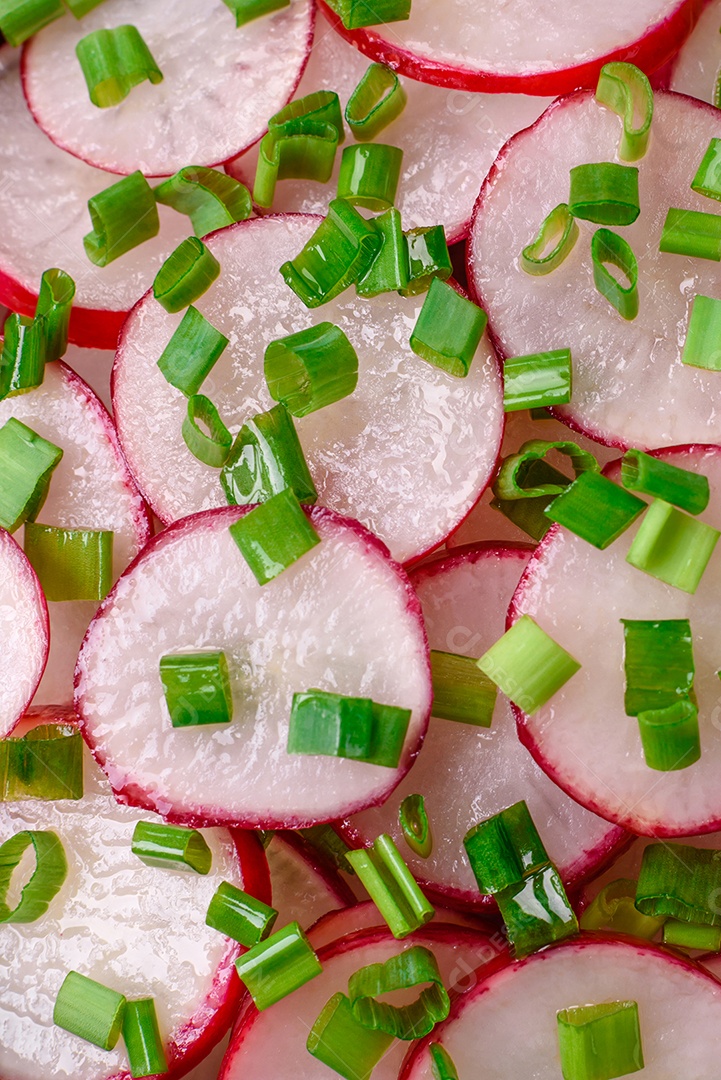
344	1044
595	509
27	462
416	826
171	847
210	198
390	270
537	381
428	258
46	763
239	915
273	536
369	175
414	967
461	692
448	330
670	736
71	564
197	688
692	232
609	247
212	445
680	882
658	662
276	967
185	275
265	459
311	369
355	728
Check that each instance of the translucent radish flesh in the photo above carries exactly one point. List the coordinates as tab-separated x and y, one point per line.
94	367
301	893
698	64
23	633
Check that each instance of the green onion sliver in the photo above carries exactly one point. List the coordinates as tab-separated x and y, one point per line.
90	1010
22	364
210	198
461	692
212	445
303	149
171	847
123	216
55	301
329	845
707	180
320	107
274	535
600	1040
265	459
691	936
413	967
185	275
519	477
71	564
680	882
537	381
625	89
390	269
51	869
247	10
239	915
428	258
554	242
536	911
448	330
595	509
21	19
609	247
369	175
670	736
683	488
356	728
113	62
197	688
343	1044
527	665
672	546
692	232
356	13
615	909
391	886
442	1067
378	100
191	353
311	369
658	663
701	348
504	849
415	825
276	967
141	1036
27	462
605	193
46	763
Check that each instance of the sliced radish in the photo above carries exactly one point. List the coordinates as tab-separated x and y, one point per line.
316	625
514	46
24	633
630	387
466	774
582	737
94	367
449	141
509	1019
220	84
360	918
136	928
304	888
697	66
90	489
407	454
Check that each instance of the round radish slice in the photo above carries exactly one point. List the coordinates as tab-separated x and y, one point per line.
514	46
449	141
316	625
304	888
408	453
630	386
363	917
466	774
698	65
582	737
509	1019
139	929
91	488
220	84
24	633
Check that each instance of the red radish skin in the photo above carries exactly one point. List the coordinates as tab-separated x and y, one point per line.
159	129
24	633
364	917
695	68
646	35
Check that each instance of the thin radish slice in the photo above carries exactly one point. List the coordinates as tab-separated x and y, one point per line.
316	625
466	774
698	65
304	889
220	84
408	453
90	489
582	737
513	46
94	367
509	1019
24	633
449	141
630	387
136	928
363	917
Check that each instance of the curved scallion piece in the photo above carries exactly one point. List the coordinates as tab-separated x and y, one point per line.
329	845
504	848
692	232
672	546
707	180
27	462
21	19
514	480
680	882
596	509
701	347
553	244
185	275
390	270
615	909
123	216
600	1040
461	692
113	62
301	142
356	728
46	763
265	459
391	886
416	826
442	1067
210	198
90	1010
191	353
71	564
197	688
683	488
51	869
22	365
322	106
658	663
378	100
343	1044
55	301
356	13
247	10
274	535
311	369
276	967
448	330
625	90
609	247
537	381
414	967
605	193
670	736
212	445
369	175
141	1035
239	915
428	258
527	665
691	936
171	847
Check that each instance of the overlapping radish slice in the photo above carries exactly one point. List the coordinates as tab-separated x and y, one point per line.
91	488
220	84
408	453
24	633
466	774
513	46
697	67
508	1021
365	916
138	929
316	625
94	367
582	737
449	141
304	888
630	387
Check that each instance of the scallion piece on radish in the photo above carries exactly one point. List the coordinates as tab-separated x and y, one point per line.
390	270
51	869
527	665
71	564
113	62
609	247
22	365
520	476
461	692
504	849
197	688
596	509
658	662
265	459
274	535
247	10
391	886
605	193
692	232
343	1044
322	106
311	369
304	149
55	301
369	175
537	381
27	462
680	882
123	216
211	442
357	13
707	180
46	763
408	969
22	19
448	330
141	1036
171	847
686	935
701	348
442	1067
672	546
625	90
191	353
615	909
554	242
348	727
90	1010
210	198
428	258
415	825
376	102
276	967
670	736
239	915
186	274
536	911
683	488
598	1042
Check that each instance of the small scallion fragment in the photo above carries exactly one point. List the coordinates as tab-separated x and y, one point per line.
442	1066
414	967
461	692
378	100
90	1010
197	688
670	736
701	348
520	478
615	909
123	216
684	935
45	882
369	175
21	19
596	509
692	232
113	61
311	369
239	915
210	198
356	13
599	1042
344	1044
672	546
625	89
448	330
171	847
27	462
246	11
141	1035
415	825
428	258
273	536
527	665
186	274
391	886
554	242
211	442
684	488
265	459
537	381
609	247
276	967
301	142
71	564
191	353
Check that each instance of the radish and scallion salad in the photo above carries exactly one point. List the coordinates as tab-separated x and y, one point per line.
360	662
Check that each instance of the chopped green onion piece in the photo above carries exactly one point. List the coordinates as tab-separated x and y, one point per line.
79	8
171	847
46	763
27	462
239	915
680	882
343	1044
123	216
416	826
247	10
691	936
609	247
197	688
320	107
391	886
390	270
504	849
185	275
683	488
670	736
554	242
369	175
595	509
210	198
605	193
51	869
21	19
528	514
113	62
428	258
442	1067
356	13
22	364
304	149
90	1010
338	253
536	911
701	348
599	1042
658	662
519	477
537	381
354	728
55	301
672	546
330	845
71	564
413	967
707	180
692	232
266	458
311	369
626	90
461	692
448	330
274	535
211	446
142	1039
191	353
615	909
527	665
276	967
376	102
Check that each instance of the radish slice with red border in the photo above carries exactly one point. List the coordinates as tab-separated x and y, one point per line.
24	633
316	625
220	84
365	917
513	46
582	737
630	386
304	888
698	64
466	774
408	453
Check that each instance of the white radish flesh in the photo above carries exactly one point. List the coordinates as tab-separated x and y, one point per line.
697	66
24	633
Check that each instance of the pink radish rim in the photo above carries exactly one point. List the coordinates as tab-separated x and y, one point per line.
43	618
